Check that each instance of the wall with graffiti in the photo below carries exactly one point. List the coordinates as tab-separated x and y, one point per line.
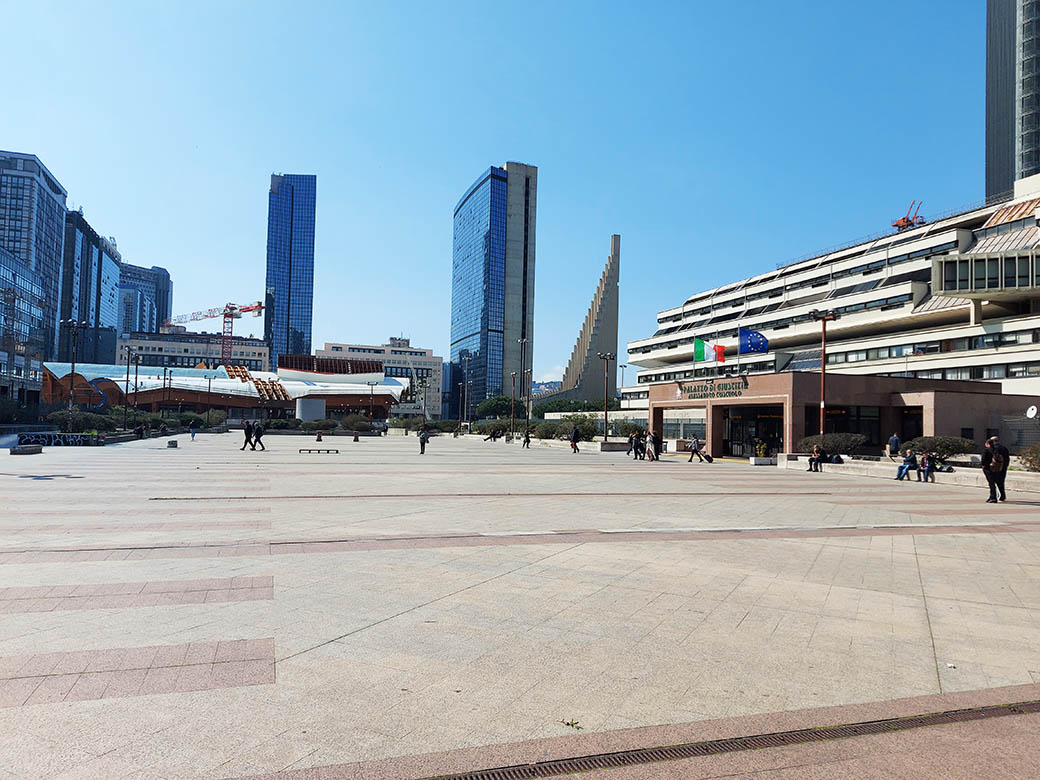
59	439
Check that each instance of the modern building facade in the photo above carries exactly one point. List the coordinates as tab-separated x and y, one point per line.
289	300
492	283
956	299
583	379
181	348
89	292
32	228
401	360
137	312
1012	94
155	284
21	326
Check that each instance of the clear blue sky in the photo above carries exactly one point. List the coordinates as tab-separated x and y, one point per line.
717	137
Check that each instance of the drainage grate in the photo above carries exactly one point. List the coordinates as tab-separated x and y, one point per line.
714	747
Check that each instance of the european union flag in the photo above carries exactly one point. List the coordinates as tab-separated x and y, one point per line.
751	342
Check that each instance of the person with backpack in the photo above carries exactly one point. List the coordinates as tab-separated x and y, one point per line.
995	461
424	437
258	432
575	438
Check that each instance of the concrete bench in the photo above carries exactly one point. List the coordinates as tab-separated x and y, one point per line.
319	451
27	449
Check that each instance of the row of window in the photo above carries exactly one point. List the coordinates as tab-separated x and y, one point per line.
708	371
986	273
999	371
962	344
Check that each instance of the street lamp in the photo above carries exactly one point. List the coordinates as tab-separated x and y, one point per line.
469	401
512	404
606	357
371	400
74	326
523	377
823	317
460	404
126	387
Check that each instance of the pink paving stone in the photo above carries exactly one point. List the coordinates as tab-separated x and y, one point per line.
200	653
192	597
73	663
160	680
236	650
234	673
40	664
10	665
194	678
169	655
139	657
52	689
125	683
214	596
13	693
61	590
90	685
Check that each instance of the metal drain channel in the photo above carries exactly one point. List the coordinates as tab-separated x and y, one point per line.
714	747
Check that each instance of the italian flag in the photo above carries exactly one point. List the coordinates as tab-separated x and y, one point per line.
702	350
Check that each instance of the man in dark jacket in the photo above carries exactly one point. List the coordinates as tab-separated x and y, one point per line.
258	433
995	460
909	464
893	445
247	429
575	438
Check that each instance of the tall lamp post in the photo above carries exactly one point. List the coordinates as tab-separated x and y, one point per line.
523	379
512	404
460	404
469	401
126	387
75	327
606	357
622	366
823	317
137	366
371	400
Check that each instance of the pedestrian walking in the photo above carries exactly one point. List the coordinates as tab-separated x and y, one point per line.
639	453
247	429
893	445
631	442
193	427
995	461
651	446
695	449
424	436
258	432
527	439
575	438
909	464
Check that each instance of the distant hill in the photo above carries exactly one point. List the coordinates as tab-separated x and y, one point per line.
544	387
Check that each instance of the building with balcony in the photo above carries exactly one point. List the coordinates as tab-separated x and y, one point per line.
401	360
955	299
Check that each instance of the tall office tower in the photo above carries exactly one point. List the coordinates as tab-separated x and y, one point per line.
89	292
137	313
1012	94
289	302
156	285
492	285
32	228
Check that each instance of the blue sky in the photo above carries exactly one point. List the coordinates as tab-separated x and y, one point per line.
719	138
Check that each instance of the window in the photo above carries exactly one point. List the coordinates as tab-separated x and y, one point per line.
992	273
957	373
1011	272
968	433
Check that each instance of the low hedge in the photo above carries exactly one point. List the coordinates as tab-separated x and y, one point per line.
943	446
833	443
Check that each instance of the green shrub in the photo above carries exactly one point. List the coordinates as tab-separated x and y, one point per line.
627	428
488	427
82	421
446	426
546	429
943	446
585	424
355	422
283	425
833	443
318	425
1030	457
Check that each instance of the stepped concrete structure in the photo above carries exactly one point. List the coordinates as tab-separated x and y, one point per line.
583	378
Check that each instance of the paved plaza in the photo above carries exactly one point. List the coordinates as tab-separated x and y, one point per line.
206	612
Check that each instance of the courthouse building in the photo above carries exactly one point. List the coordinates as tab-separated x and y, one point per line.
957	300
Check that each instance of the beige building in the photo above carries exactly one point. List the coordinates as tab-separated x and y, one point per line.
403	361
181	348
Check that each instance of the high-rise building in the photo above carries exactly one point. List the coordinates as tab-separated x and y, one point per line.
137	312
155	283
32	228
492	284
89	292
21	318
1012	94
289	299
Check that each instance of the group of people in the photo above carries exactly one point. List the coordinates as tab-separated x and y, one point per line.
254	435
924	463
644	445
995	461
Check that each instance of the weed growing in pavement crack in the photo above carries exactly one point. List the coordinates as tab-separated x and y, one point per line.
573	724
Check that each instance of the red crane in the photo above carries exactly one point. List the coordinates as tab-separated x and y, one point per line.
906	222
230	312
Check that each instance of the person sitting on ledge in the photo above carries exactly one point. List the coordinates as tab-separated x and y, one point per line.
909	464
817	458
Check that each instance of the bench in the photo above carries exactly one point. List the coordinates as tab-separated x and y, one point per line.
327	452
27	449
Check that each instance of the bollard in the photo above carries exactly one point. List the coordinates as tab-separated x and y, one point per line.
318	437
356	436
171	444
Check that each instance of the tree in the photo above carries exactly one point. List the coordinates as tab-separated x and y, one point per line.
497	406
564	405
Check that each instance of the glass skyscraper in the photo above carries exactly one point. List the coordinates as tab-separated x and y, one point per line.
89	292
32	228
289	300
492	286
155	284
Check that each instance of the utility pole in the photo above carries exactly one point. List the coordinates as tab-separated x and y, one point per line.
75	328
823	317
606	357
126	387
371	400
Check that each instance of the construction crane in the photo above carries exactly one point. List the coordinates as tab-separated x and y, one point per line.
906	222
230	312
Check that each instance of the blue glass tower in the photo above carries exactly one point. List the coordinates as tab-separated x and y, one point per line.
492	286
290	265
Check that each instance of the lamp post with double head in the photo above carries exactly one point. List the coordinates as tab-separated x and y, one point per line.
606	357
823	317
523	377
371	400
512	403
74	326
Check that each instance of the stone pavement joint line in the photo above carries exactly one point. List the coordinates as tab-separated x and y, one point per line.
553	768
591	494
47	678
120	595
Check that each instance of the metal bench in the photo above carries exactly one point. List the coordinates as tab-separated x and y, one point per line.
327	452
